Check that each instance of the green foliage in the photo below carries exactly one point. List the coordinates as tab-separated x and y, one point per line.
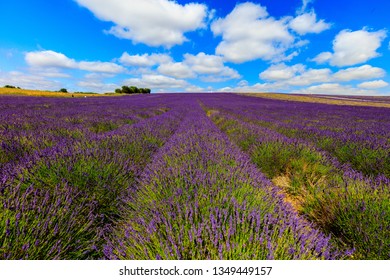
133	90
64	90
56	224
99	127
369	161
126	89
97	179
273	158
352	210
361	216
208	196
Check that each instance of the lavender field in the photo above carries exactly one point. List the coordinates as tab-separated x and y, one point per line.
192	176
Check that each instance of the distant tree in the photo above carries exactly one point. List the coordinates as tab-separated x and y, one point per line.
9	86
64	90
126	89
144	90
134	89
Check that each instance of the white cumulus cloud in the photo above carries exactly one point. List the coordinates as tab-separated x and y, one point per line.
336	89
97	66
281	71
209	68
177	70
247	35
305	3
28	80
209	64
144	60
363	72
295	75
323	57
353	47
157	82
51	59
307	23
300	75
152	22
373	84
311	76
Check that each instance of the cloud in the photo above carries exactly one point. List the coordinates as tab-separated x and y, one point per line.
49	72
353	47
281	72
51	59
244	86
299	75
206	67
29	81
311	76
336	89
243	83
144	60
246	34
157	82
210	64
177	70
307	23
97	66
323	57
364	72
95	86
209	68
152	22
305	3
295	75
204	64
373	84
258	87
193	88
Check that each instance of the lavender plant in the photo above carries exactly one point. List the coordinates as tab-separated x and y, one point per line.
329	193
201	198
158	177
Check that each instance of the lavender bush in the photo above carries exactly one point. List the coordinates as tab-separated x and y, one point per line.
192	176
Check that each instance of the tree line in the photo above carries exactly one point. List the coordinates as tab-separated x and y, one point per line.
9	86
132	89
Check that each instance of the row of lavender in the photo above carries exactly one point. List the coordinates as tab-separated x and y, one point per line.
353	206
356	135
149	177
66	167
202	198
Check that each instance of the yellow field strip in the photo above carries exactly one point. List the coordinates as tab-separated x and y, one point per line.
314	99
42	93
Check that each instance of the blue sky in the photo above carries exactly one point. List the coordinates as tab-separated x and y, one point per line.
300	46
